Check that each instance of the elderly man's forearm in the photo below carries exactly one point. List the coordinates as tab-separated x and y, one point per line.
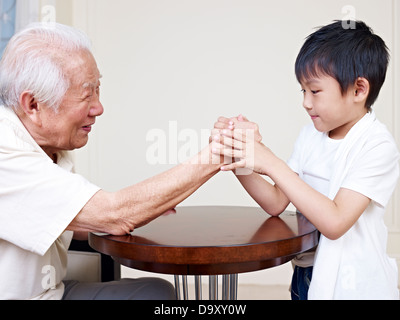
151	198
121	212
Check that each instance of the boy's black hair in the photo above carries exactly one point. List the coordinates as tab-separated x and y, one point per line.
345	54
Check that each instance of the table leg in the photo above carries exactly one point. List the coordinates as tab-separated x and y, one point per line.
198	288
185	288
233	286
226	287
229	287
185	291
177	288
213	288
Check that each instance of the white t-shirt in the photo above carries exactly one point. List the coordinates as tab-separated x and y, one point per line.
38	201
355	266
317	173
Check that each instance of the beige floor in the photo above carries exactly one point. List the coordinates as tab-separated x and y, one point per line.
250	292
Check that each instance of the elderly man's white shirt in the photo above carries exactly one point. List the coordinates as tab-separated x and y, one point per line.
38	201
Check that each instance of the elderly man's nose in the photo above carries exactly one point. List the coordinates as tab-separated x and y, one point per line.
97	109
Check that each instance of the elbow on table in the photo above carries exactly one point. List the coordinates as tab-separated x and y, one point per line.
274	211
127	216
111	214
332	235
276	208
333	232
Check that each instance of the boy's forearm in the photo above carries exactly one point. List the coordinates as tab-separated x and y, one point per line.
307	200
332	218
268	196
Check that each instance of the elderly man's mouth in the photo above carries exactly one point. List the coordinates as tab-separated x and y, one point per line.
87	128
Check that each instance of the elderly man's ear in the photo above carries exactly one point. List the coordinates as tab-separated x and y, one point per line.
30	107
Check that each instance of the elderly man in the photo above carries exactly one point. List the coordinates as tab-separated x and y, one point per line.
49	87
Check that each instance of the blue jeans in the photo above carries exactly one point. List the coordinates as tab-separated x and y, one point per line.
301	283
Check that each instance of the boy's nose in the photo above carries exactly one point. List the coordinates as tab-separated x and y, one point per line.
307	104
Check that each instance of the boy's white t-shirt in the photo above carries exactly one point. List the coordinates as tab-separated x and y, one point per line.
365	271
38	201
317	173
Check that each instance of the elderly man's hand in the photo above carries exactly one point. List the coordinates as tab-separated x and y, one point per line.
239	122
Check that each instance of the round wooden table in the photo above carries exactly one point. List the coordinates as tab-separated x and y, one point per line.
211	241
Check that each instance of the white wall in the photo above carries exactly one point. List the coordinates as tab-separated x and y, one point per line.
190	61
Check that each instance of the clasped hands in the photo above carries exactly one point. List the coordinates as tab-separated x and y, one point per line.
239	141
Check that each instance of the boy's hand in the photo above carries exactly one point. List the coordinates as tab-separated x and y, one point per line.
242	146
227	126
239	122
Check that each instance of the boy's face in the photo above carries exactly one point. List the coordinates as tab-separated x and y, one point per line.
329	110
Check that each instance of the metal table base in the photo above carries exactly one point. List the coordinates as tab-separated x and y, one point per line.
229	288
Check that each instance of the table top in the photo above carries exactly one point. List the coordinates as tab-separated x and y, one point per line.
211	241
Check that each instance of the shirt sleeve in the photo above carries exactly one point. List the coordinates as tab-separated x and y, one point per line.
375	172
38	199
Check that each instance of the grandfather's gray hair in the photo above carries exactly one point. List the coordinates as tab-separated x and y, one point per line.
34	61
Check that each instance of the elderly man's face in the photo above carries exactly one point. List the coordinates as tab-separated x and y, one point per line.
69	127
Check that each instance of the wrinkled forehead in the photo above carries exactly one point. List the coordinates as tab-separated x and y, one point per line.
82	71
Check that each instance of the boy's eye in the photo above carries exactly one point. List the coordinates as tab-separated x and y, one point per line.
312	91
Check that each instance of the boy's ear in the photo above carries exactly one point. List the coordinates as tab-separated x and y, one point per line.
30	107
361	89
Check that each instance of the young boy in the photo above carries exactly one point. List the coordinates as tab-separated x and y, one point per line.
342	173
